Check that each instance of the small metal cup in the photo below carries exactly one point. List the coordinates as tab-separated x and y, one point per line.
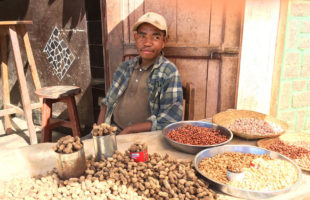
71	165
235	176
105	145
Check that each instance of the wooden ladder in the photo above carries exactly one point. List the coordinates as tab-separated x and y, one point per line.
15	29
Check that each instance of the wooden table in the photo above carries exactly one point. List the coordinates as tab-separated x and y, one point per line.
38	159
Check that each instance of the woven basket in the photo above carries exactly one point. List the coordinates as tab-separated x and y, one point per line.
229	116
288	138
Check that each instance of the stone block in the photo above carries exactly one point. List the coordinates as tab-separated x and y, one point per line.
286	115
307	125
292	59
300	9
304	43
292	34
305	26
301	99
299	85
285	95
305	67
300	121
291	72
291	126
291	65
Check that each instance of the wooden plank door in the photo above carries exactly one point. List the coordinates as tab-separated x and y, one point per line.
204	40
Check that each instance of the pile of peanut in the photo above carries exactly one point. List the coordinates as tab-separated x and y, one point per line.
119	177
196	135
68	144
254	126
136	147
103	129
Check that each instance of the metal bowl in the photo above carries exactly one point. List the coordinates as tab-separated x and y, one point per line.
234	191
193	149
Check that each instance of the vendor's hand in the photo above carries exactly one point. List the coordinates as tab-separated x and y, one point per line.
126	130
137	128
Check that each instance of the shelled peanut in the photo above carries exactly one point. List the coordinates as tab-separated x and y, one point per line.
119	177
68	144
103	129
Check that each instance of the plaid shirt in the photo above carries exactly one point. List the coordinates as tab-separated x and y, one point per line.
165	92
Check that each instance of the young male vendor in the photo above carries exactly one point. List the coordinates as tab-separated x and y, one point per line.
146	93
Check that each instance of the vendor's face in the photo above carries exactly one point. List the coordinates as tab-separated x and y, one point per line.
149	42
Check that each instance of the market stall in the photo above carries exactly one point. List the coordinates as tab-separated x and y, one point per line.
39	159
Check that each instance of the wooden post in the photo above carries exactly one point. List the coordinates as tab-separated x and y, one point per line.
46	115
30	57
74	117
23	85
5	83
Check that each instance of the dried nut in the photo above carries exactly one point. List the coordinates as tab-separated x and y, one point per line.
103	129
118	177
196	135
68	144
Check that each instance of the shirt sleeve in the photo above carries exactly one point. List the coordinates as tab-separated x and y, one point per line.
171	102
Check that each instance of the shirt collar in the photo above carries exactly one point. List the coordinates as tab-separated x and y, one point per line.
154	64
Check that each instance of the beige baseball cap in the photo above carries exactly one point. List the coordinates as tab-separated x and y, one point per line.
152	18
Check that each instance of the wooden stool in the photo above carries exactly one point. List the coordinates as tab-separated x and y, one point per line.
13	29
55	94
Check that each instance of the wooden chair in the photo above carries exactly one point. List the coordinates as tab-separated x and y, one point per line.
188	101
55	94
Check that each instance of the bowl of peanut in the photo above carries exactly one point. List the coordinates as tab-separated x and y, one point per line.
194	136
265	173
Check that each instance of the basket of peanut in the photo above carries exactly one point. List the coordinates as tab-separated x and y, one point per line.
250	124
104	137
70	157
296	146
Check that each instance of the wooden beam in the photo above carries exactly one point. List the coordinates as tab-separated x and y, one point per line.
15	22
7	111
23	85
58	122
17	109
5	83
30	57
208	52
36	105
278	58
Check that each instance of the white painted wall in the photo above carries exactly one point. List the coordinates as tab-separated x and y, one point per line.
257	54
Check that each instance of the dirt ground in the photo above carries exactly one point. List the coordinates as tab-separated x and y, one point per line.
20	137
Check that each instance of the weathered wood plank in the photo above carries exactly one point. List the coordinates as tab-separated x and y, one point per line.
278	58
193	22
168	9
136	10
213	91
32	64
23	85
207	52
228	83
5	83
188	69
